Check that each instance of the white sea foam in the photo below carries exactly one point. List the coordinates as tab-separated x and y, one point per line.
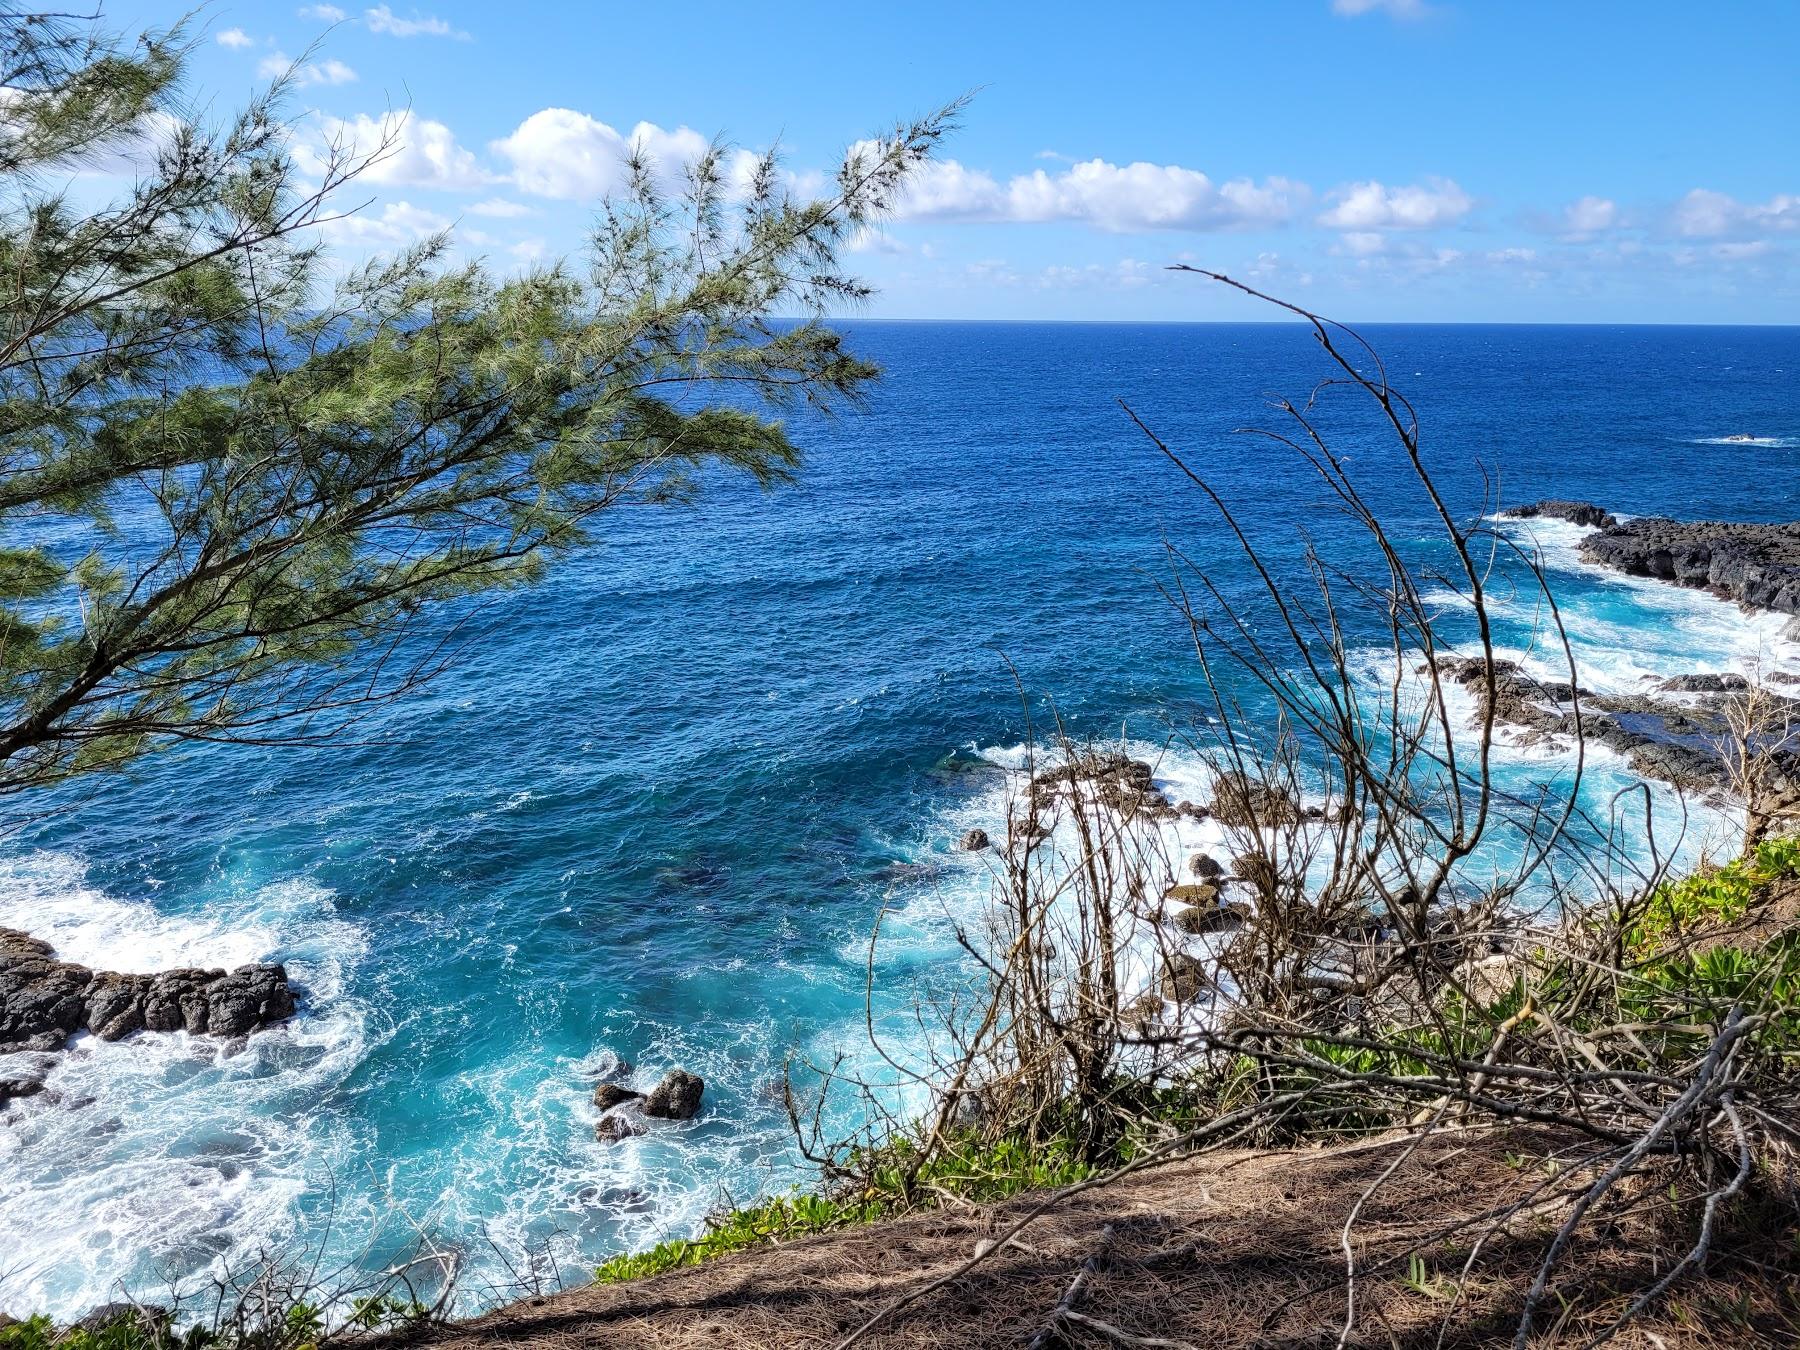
1629	630
170	1151
1777	442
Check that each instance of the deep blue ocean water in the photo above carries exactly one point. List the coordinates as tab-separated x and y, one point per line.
654	808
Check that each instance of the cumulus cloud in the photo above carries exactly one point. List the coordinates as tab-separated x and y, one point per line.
319	72
1122	198
422	153
1589	216
236	38
382	19
1704	214
1373	206
323	13
500	208
396	225
565	154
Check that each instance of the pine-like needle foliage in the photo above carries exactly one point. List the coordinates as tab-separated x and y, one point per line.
232	473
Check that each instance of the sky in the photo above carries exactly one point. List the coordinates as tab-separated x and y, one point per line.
1412	160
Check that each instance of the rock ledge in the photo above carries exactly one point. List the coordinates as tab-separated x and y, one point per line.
44	1001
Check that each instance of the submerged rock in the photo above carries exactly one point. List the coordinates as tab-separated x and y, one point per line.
677	1097
25	1075
44	1001
625	1122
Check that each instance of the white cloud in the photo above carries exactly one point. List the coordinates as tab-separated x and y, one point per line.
1704	214
322	72
1371	206
1394	9
947	190
1388	252
1589	216
236	38
558	152
398	224
381	19
1119	198
423	153
499	208
323	13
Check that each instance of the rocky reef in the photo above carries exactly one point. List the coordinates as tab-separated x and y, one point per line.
1754	564
44	1001
1576	513
626	1113
1687	741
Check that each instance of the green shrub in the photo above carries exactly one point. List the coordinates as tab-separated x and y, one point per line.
965	1168
1713	898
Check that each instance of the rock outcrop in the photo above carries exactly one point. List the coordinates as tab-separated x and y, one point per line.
25	1075
1241	801
609	1095
1121	783
677	1097
1204	920
1689	743
975	840
1755	564
44	1001
1576	513
1205	866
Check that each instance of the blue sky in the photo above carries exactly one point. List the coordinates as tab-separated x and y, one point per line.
1379	159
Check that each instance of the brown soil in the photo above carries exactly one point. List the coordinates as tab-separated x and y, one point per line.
1228	1250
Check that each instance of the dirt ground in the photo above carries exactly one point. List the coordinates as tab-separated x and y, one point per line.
1228	1250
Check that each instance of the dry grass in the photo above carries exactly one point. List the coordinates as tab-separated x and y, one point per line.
1229	1250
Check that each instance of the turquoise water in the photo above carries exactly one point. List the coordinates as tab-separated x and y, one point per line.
653	810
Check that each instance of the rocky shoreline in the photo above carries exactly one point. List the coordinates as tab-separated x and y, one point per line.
44	1001
1682	731
1757	565
1685	740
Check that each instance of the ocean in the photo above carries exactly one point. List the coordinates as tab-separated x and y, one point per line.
653	810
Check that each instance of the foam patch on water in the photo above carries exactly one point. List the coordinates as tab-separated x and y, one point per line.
167	1152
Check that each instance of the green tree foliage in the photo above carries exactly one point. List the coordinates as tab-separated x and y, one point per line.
233	470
